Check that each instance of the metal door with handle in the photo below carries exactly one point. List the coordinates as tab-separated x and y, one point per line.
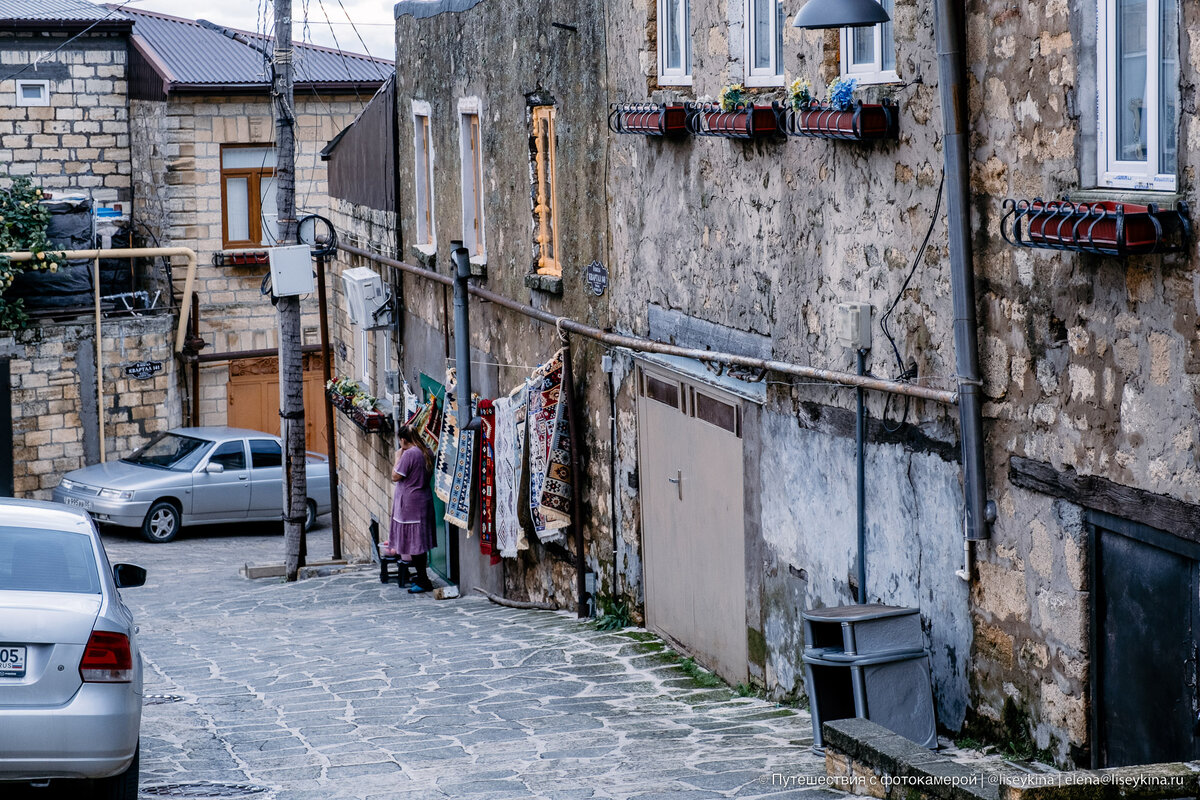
225	494
1144	644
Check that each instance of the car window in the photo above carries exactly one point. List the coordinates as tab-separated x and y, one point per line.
170	451
47	561
230	455
265	453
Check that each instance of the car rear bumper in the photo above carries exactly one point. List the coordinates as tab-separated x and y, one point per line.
94	735
113	512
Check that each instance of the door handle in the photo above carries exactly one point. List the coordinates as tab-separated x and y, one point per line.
678	481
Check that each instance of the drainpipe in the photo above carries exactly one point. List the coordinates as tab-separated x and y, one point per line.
952	87
461	258
860	440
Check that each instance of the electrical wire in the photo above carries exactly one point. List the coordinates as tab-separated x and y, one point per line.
354	27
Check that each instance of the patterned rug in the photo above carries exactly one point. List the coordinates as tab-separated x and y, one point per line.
487	480
447	450
543	415
510	442
461	505
555	500
431	425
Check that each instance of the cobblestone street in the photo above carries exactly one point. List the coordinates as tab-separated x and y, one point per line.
342	687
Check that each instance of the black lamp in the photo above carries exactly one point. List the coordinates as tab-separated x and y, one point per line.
840	14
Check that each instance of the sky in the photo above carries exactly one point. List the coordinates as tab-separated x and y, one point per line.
373	19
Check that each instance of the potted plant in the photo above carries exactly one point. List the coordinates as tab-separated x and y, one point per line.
733	116
648	119
840	116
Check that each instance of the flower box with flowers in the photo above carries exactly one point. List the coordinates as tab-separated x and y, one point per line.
353	401
839	117
733	116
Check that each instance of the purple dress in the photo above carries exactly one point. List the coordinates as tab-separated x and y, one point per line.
412	531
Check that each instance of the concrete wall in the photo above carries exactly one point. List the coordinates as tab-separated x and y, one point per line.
79	144
54	403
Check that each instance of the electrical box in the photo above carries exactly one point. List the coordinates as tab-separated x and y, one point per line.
854	325
291	270
365	298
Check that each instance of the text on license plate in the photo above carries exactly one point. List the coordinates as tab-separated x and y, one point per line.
12	661
78	502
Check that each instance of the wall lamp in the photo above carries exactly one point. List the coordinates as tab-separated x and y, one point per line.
840	14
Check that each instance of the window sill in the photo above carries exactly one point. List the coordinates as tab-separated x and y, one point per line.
674	80
425	254
872	78
764	81
550	284
1137	197
479	266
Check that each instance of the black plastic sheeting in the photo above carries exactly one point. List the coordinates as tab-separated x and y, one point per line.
70	228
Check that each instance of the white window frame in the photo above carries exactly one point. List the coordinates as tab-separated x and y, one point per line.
423	150
772	75
44	100
364	358
471	167
874	72
675	76
1111	171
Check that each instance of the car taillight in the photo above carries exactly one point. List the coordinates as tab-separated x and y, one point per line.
107	659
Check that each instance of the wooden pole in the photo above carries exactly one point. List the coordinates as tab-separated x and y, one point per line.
568	388
327	374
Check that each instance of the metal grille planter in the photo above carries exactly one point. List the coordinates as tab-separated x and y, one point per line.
743	122
368	421
1103	228
648	119
862	123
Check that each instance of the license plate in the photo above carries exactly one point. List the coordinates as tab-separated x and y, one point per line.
78	502
12	661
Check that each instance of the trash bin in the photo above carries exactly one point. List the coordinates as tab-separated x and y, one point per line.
869	661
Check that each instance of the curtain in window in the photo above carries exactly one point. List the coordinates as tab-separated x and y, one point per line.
237	209
1131	80
763	46
672	34
1168	84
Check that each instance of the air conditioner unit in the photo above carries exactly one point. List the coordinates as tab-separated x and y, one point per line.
366	298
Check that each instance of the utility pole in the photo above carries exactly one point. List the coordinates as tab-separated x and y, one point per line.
291	373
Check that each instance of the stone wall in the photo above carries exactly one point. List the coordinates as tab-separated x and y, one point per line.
79	144
54	401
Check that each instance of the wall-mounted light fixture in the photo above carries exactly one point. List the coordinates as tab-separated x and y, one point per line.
840	14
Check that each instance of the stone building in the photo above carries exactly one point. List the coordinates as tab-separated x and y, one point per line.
1071	630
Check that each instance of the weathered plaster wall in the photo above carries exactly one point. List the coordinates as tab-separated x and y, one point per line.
79	144
54	403
500	54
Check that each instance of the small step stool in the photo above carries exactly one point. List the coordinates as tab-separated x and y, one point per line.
386	572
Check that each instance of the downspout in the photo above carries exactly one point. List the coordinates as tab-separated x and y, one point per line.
952	87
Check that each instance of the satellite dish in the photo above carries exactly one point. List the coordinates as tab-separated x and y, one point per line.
318	233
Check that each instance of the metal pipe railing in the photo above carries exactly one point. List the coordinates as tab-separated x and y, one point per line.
639	344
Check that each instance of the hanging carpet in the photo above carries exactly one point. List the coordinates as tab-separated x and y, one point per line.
544	394
460	506
447	451
510	436
487	480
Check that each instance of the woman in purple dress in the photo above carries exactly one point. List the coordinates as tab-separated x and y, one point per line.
412	533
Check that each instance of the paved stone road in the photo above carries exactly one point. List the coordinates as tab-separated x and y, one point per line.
341	687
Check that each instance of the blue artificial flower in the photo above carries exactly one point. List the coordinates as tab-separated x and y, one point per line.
841	93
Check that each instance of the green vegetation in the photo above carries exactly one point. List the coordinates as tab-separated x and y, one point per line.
23	224
614	613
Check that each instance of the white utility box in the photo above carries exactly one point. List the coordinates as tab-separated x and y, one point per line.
854	325
365	296
291	270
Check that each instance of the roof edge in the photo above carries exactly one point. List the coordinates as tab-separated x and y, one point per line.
423	9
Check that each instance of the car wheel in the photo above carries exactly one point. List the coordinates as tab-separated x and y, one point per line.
310	517
123	786
162	522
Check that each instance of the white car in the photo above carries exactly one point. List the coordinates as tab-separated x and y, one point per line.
70	670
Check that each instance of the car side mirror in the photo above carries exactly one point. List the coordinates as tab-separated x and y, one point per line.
128	575
215	469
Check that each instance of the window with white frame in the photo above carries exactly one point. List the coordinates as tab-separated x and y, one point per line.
1138	93
471	159
674	43
764	43
33	93
869	53
423	175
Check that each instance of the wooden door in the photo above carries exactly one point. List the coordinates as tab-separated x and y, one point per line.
693	533
253	398
1144	595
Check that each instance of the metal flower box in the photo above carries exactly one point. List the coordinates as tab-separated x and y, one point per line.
648	119
743	122
862	123
1103	228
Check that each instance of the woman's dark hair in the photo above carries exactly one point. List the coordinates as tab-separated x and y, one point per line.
408	433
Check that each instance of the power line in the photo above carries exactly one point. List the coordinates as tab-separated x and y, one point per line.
359	35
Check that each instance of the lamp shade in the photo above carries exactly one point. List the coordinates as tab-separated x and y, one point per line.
840	14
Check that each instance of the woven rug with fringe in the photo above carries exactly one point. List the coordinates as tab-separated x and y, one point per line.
461	505
544	391
487	481
509	443
447	450
555	500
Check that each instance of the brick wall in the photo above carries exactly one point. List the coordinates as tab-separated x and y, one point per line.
80	142
54	402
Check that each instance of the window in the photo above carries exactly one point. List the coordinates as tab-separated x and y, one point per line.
674	43
33	93
423	175
265	453
248	204
364	358
231	456
869	53
545	210
1138	91
764	43
471	158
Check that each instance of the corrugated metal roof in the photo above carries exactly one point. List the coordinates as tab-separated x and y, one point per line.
56	11
199	56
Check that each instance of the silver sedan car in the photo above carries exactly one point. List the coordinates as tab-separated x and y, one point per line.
70	670
193	475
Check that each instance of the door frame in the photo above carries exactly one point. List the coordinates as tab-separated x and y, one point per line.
7	461
1138	532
